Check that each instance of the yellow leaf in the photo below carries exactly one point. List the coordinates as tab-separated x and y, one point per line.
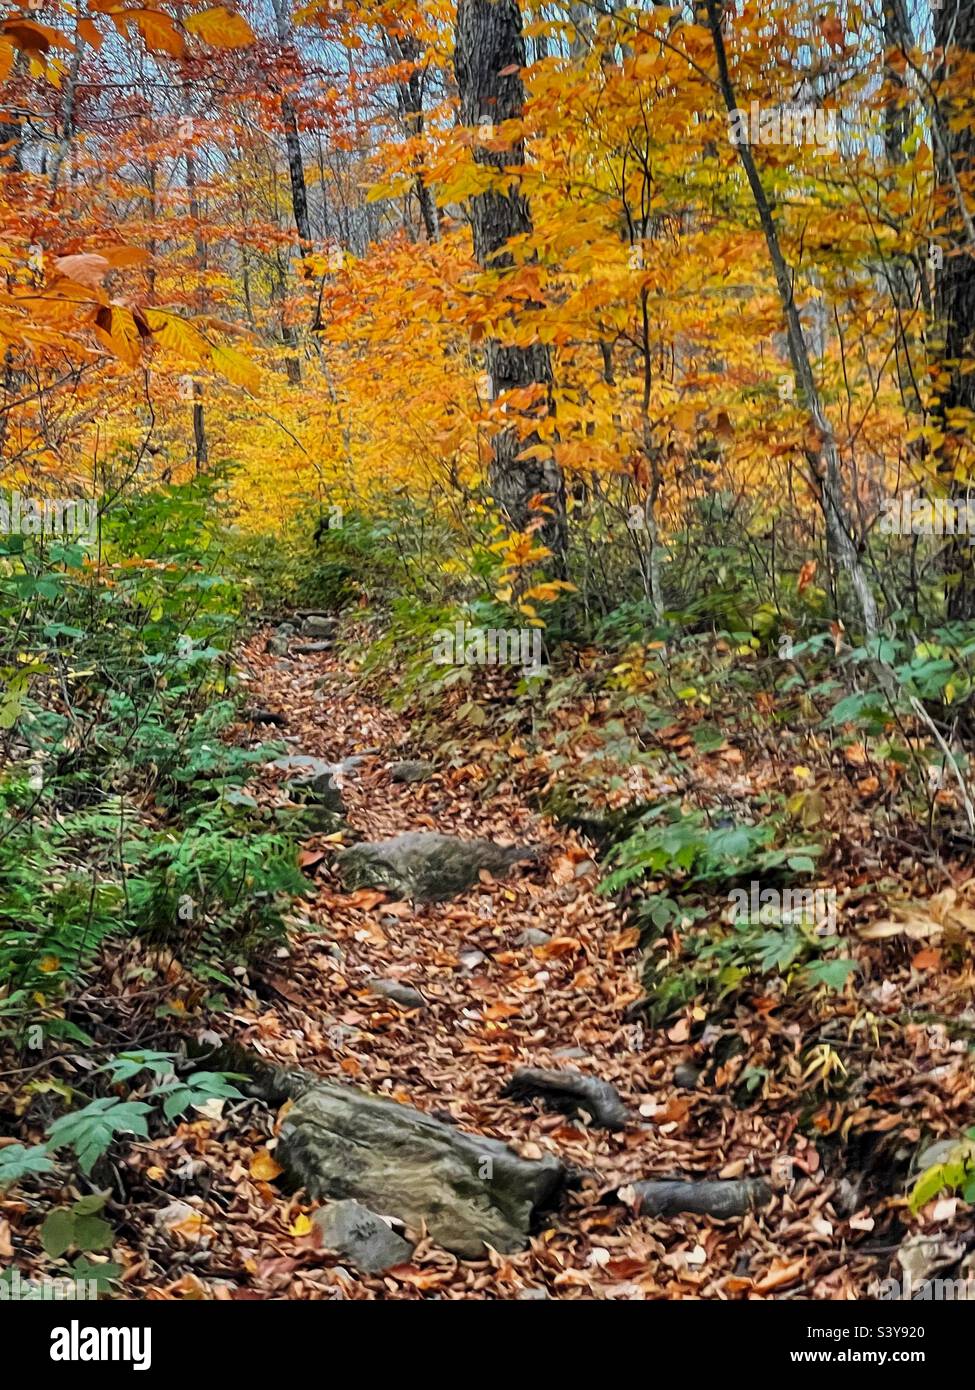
49	964
116	329
177	335
220	28
235	367
301	1225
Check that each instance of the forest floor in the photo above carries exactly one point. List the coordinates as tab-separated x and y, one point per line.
206	1216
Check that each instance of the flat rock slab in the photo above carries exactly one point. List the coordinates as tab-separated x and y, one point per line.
339	1142
361	1237
403	995
411	770
314	780
426	865
318	625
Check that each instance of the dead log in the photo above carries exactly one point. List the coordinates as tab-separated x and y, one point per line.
722	1198
568	1091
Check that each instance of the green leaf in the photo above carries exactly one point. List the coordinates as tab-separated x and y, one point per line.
128	1064
90	1131
57	1232
93	1233
87	1206
17	1161
833	974
197	1089
928	1185
102	1274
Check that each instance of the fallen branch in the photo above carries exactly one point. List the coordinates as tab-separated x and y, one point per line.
568	1091
722	1198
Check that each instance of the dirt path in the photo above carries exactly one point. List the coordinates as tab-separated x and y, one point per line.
498	998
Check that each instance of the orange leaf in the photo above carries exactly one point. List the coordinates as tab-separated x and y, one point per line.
33	37
90	33
806	575
265	1167
157	29
779	1275
366	898
494	1012
929	959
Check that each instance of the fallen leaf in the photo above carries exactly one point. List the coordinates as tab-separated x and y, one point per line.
265	1167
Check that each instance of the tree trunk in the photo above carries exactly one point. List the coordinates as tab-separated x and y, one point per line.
404	48
954	29
299	189
201	451
822	456
489	54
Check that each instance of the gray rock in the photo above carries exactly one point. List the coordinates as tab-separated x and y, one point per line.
317	781
277	645
532	1295
470	960
286	629
319	820
318	625
311	648
305	764
534	936
426	865
340	1142
400	994
687	1075
411	770
322	789
362	1237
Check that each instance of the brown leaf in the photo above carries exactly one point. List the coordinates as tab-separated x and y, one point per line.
780	1274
